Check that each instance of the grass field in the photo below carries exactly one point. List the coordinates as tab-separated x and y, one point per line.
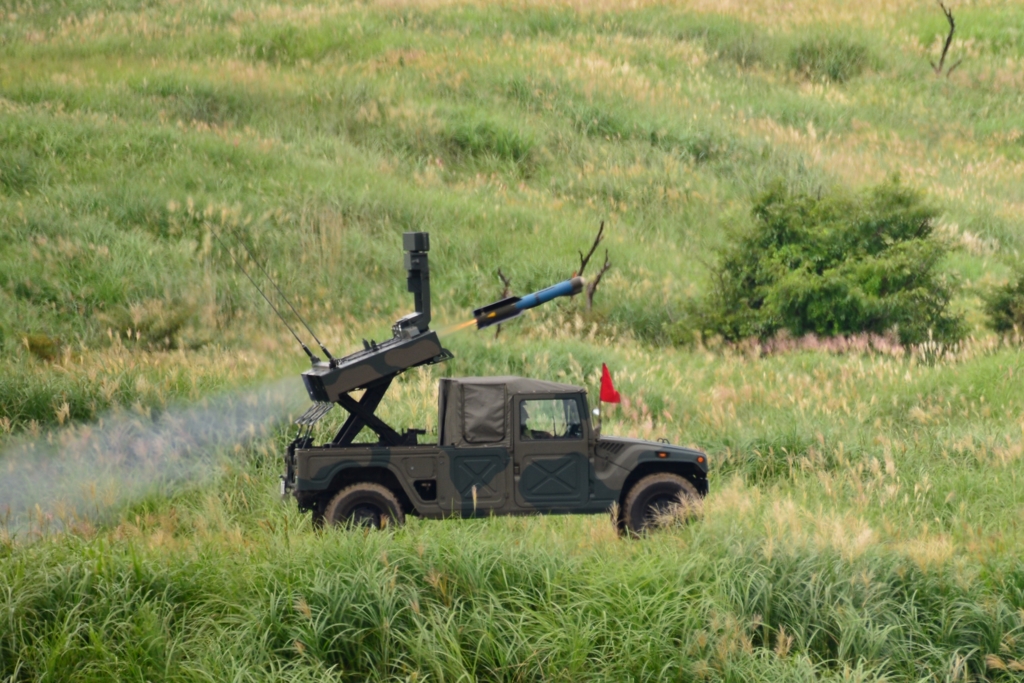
864	520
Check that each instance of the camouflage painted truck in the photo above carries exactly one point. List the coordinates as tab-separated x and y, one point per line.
506	445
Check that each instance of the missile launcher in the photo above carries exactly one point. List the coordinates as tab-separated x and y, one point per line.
412	344
374	367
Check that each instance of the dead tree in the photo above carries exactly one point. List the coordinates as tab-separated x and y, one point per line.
584	260
949	41
505	293
592	285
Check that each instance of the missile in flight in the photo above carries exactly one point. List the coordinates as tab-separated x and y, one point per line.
506	309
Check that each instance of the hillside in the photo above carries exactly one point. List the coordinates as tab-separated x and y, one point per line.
134	133
864	515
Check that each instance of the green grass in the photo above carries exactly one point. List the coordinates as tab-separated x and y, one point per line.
502	599
864	515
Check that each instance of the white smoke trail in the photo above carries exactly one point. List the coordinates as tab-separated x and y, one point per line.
87	470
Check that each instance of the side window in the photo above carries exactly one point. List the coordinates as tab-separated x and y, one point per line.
550	418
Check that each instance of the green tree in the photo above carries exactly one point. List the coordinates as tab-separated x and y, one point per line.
835	264
1005	306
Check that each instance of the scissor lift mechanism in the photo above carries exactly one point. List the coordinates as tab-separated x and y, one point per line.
375	366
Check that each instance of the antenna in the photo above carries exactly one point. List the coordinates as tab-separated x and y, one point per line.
281	294
305	348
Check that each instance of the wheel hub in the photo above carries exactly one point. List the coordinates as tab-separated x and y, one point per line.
365	515
660	504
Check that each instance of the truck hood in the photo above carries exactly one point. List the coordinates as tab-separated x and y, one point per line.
631	453
619	443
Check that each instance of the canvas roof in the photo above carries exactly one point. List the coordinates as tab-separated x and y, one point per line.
475	411
519	385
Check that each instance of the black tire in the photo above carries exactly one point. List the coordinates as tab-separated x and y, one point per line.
653	497
364	504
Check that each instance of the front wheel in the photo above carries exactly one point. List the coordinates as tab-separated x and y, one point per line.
656	499
364	504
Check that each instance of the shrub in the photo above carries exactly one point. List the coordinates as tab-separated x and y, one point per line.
42	346
837	58
18	170
835	264
156	323
195	100
288	44
1005	306
701	146
595	121
729	39
481	137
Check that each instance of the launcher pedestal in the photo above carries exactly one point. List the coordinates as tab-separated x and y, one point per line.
374	367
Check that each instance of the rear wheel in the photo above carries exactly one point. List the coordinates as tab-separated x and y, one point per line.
656	499
364	504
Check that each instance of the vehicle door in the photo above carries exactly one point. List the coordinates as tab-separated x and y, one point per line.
475	459
551	469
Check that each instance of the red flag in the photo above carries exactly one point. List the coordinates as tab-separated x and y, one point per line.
608	393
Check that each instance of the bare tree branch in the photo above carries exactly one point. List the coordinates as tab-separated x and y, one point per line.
949	41
505	293
592	285
584	260
507	282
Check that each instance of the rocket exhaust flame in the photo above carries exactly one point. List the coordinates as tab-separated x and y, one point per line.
457	327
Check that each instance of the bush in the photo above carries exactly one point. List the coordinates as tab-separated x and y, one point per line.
196	100
835	264
482	137
701	146
837	58
18	170
42	346
728	39
1005	306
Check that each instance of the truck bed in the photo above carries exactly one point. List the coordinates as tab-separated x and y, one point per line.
436	481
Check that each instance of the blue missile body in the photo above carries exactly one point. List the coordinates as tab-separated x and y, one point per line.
506	309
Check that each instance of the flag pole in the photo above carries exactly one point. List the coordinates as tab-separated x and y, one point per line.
607	394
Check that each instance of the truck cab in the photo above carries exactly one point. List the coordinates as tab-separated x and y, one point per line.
506	445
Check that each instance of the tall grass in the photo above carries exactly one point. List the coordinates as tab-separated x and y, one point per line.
227	583
862	523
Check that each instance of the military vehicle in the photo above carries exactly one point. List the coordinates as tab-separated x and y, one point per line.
505	445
